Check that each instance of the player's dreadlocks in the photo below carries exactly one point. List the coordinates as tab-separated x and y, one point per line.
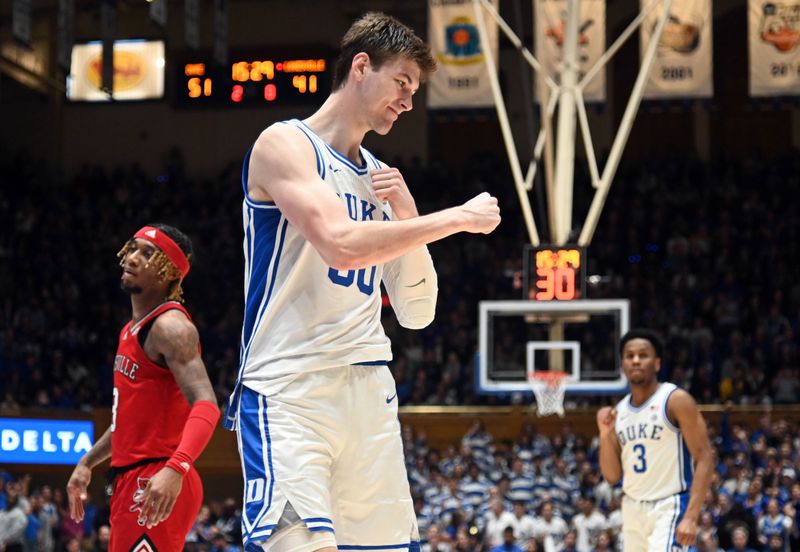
167	270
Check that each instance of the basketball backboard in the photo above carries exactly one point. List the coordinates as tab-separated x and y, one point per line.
581	337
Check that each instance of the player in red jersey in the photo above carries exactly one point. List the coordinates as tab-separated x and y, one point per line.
164	409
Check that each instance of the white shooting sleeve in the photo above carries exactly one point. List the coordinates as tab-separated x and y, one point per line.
413	286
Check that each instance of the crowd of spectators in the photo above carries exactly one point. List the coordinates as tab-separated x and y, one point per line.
35	518
535	493
705	252
549	491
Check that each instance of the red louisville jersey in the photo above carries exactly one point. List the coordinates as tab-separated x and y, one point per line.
149	410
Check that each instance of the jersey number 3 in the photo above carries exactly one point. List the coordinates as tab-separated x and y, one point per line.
641	461
114	410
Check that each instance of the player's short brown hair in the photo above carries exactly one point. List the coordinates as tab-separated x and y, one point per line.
381	37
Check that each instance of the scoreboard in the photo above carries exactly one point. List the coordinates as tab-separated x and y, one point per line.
255	79
554	273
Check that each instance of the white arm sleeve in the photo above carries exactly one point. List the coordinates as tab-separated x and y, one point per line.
413	287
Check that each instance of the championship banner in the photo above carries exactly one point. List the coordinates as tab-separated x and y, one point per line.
774	44
549	27
683	64
461	79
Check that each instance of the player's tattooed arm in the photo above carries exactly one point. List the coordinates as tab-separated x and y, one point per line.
174	339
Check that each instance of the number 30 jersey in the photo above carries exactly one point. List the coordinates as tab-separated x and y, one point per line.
656	463
300	314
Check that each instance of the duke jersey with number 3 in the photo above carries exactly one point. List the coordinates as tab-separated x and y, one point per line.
301	314
656	463
149	410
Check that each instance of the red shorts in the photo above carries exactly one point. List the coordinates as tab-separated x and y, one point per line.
168	536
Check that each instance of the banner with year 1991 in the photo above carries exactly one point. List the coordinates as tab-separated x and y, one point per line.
461	79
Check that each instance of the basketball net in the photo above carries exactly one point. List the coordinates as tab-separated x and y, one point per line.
549	388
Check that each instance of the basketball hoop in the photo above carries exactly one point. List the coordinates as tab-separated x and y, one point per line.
549	388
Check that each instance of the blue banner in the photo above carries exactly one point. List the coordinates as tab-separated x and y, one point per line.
29	441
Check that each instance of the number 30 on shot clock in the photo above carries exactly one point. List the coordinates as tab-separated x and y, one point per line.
554	273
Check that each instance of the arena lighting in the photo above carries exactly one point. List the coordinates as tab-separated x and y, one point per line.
38	441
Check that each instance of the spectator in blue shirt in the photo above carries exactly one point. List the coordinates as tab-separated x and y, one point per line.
508	542
31	543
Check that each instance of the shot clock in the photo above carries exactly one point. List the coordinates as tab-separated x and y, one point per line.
554	273
256	79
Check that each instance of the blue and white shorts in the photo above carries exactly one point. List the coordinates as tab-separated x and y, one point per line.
328	444
649	525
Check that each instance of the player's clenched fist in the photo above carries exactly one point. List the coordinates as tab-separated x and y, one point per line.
606	417
482	213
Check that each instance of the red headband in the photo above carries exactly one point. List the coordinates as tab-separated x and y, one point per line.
166	244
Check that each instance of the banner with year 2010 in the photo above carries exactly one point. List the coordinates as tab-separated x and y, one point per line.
773	29
461	80
683	66
549	30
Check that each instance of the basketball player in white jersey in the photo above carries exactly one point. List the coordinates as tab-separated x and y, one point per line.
649	440
315	406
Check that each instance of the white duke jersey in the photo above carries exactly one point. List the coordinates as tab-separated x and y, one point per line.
300	314
656	462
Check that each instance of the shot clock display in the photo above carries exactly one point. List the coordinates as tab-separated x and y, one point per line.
554	273
256	80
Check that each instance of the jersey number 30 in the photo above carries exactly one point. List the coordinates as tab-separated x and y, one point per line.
641	461
346	277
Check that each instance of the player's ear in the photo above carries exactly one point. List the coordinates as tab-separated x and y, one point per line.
360	65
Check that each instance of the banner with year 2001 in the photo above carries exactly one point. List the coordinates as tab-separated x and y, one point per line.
683	66
773	29
461	79
549	32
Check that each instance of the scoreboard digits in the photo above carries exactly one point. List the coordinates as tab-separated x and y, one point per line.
251	80
555	273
